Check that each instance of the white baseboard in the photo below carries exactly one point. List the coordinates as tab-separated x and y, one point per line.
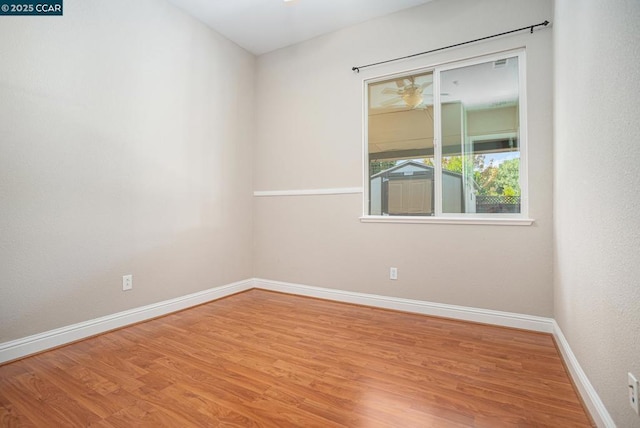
21	348
507	319
486	316
591	399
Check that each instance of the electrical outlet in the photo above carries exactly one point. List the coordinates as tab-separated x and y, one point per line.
393	273
633	392
127	282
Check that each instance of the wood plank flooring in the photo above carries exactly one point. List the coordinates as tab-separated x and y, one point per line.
263	359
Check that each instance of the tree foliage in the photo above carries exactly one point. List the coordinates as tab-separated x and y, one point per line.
490	180
507	179
375	166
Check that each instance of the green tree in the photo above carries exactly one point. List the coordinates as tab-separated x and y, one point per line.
454	163
509	191
486	180
375	166
508	178
475	165
490	180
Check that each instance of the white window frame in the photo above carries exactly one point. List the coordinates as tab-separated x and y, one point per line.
454	218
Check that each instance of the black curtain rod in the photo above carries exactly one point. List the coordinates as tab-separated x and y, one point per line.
531	27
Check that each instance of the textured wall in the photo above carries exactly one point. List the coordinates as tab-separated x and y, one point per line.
596	202
125	147
309	136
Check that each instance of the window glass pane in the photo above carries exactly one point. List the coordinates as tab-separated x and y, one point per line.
480	128
400	145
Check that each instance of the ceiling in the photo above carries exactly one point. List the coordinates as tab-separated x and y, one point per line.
261	26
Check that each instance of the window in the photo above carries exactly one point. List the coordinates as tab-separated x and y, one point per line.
448	142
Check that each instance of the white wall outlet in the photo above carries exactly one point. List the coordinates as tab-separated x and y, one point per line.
393	273
127	282
633	392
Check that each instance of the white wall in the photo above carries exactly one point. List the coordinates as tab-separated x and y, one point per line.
124	148
309	136
596	199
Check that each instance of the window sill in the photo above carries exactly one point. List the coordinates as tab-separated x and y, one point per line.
448	220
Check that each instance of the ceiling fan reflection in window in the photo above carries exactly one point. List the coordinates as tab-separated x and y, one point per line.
409	92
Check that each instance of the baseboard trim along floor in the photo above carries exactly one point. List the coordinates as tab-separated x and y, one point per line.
23	347
485	316
506	319
36	343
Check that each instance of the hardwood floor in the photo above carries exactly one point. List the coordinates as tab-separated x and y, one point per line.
262	359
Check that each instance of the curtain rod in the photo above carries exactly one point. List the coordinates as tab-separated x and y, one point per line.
531	27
